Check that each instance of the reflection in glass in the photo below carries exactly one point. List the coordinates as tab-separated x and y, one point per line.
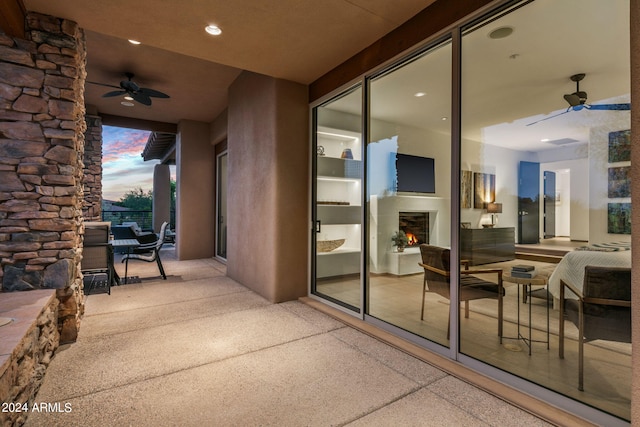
523	118
409	185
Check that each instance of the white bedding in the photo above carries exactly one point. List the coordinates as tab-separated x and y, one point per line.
571	267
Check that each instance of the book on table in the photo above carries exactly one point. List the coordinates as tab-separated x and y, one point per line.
524	274
523	267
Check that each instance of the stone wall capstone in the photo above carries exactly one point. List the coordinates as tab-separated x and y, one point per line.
42	126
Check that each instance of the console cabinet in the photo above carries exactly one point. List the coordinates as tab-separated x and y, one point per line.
487	245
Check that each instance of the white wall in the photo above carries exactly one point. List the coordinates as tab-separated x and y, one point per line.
574	197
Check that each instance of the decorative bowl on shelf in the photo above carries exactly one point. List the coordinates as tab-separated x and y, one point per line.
329	245
487	225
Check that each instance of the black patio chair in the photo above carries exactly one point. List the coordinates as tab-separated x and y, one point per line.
149	249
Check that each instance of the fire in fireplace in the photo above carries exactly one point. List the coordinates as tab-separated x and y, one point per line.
416	227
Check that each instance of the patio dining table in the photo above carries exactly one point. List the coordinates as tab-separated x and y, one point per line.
127	244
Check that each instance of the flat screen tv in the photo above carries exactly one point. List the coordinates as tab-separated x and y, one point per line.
415	174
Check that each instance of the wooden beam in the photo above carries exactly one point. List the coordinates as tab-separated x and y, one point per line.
131	123
432	19
12	15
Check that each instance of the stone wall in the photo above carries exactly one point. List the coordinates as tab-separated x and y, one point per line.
42	128
32	337
92	204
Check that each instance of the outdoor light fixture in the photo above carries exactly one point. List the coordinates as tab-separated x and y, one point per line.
214	30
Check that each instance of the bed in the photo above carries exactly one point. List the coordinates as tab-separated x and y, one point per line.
571	267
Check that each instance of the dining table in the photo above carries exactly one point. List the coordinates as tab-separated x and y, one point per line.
128	245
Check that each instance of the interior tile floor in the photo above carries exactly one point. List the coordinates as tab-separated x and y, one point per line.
200	349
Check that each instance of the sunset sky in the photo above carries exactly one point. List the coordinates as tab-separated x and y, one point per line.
123	167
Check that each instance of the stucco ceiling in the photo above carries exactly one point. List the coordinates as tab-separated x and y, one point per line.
297	40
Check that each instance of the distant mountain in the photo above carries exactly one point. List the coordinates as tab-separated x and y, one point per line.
110	205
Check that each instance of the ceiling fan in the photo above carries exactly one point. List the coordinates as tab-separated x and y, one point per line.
578	100
129	87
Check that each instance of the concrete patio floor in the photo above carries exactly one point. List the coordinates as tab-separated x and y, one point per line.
202	350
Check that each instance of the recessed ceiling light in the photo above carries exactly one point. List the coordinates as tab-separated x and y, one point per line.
419	94
134	41
444	119
500	33
545	140
127	103
128	98
214	30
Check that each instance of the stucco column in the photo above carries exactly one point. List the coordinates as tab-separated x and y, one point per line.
195	204
268	186
161	196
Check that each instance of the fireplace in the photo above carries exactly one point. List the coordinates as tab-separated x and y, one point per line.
416	227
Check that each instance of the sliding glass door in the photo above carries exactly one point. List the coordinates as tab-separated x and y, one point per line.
458	139
337	208
537	104
409	191
221	206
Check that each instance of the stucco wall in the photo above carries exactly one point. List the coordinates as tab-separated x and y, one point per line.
268	219
635	200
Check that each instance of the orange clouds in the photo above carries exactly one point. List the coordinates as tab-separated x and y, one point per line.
119	143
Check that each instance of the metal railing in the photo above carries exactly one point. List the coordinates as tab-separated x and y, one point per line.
143	218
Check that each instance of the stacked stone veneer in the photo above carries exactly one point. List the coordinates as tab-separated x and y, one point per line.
22	374
42	127
92	204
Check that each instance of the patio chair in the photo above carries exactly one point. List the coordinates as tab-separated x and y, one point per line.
601	312
149	249
436	264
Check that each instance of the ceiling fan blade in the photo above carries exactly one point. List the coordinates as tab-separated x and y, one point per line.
153	93
551	117
114	93
141	98
618	107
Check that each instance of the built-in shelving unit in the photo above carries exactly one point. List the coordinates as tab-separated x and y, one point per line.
338	200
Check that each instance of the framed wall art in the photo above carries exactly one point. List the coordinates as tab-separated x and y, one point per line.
620	146
466	189
619	182
484	189
619	218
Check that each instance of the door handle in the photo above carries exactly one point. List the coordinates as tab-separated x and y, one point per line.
318	226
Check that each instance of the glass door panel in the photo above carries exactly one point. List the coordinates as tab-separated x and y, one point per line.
408	192
523	116
337	209
221	208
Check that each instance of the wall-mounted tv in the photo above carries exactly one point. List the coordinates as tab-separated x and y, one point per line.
415	174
